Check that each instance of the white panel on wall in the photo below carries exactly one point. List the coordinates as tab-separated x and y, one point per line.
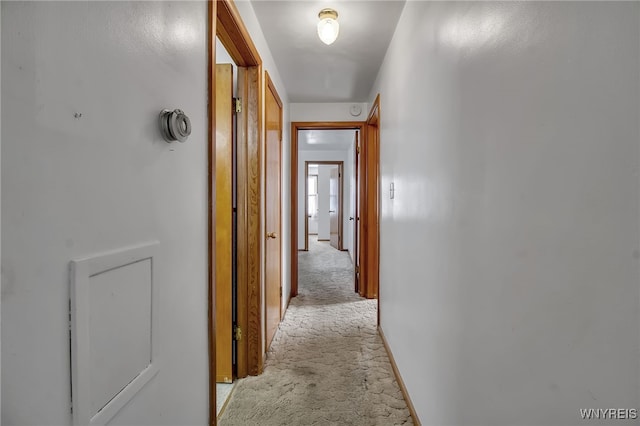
111	331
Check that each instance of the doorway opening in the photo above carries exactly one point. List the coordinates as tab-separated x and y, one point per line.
226	242
366	239
305	143
325	194
225	24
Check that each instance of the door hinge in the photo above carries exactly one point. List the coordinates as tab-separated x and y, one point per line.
237	105
280	292
358	149
357	269
237	333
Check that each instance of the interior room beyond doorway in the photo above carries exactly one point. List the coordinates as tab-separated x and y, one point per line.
324	209
321	200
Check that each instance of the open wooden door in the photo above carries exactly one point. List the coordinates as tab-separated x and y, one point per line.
223	224
356	226
369	227
373	201
273	247
225	23
361	269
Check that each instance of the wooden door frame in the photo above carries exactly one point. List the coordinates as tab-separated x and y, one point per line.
295	127
224	21
211	216
340	165
356	211
370	220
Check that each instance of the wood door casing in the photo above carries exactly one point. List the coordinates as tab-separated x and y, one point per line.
370	193
362	220
225	22
273	218
250	232
295	127
212	11
223	223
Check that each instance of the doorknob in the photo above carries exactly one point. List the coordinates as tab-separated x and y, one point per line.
351	218
271	235
332	211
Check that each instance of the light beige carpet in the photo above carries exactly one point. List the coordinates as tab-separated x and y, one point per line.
327	364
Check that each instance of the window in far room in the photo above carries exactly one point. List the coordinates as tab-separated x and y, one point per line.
312	202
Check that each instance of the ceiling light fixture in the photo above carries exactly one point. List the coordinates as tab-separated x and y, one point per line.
328	26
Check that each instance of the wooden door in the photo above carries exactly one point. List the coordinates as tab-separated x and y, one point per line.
369	216
273	246
225	23
334	207
361	267
223	224
356	216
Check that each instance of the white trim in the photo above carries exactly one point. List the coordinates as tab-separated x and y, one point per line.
81	271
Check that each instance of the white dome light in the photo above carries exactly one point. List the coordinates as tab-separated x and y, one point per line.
328	26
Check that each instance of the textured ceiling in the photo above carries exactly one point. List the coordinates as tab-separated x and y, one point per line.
314	72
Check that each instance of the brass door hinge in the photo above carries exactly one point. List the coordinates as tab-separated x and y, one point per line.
358	149
357	269
237	105
237	333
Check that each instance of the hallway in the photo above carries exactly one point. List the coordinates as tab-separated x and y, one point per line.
502	145
327	363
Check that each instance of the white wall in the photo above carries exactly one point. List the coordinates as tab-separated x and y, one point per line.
76	186
253	26
327	112
223	57
509	256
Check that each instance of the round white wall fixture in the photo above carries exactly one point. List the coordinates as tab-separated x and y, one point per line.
355	110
